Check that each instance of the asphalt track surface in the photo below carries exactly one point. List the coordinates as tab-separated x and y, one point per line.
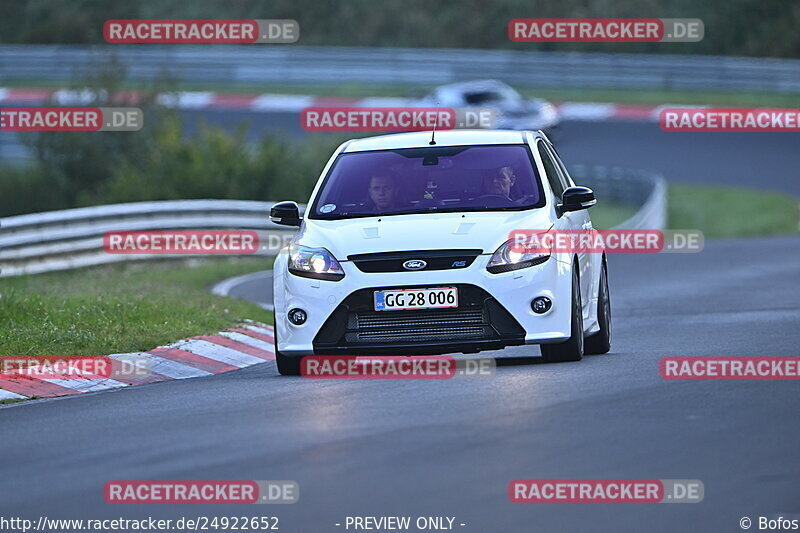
450	448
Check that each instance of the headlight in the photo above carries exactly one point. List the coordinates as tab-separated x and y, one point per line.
317	263
507	258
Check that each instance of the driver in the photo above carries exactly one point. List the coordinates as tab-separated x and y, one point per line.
383	192
500	182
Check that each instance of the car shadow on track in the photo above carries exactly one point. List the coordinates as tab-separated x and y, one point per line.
528	360
509	361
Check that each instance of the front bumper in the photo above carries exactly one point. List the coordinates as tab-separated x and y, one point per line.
494	311
478	322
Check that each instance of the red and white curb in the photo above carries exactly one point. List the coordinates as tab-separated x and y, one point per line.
293	103
247	345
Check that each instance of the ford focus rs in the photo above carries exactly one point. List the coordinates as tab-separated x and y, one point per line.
404	249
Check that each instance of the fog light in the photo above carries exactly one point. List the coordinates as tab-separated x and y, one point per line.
297	317
541	304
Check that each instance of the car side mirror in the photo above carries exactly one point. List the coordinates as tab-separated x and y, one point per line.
575	199
285	214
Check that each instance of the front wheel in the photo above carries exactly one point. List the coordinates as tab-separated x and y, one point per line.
600	342
572	348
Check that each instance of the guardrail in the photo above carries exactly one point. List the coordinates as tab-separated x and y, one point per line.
626	186
73	238
253	65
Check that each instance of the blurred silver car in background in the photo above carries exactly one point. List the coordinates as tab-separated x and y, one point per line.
513	112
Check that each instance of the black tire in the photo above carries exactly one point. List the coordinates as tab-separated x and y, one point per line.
600	342
287	366
572	348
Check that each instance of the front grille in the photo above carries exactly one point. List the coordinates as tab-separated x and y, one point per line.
355	325
434	259
415	318
427	325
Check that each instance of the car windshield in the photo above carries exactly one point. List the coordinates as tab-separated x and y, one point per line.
483	97
431	179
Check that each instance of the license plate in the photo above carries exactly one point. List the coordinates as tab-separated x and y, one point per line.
397	299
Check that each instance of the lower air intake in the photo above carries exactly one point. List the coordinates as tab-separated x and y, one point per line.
398	326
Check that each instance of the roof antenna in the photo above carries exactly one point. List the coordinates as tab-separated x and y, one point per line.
435	122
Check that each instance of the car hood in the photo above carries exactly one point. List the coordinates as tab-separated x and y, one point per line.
484	231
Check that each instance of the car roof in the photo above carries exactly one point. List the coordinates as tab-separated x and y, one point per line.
421	139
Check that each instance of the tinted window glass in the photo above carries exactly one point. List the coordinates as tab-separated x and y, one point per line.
419	180
568	181
551	170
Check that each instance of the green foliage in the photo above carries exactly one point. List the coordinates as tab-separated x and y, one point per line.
166	164
162	161
211	163
26	191
733	27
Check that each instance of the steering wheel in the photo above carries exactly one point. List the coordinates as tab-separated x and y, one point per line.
498	196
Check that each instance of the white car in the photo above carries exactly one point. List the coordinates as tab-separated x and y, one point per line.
512	111
404	250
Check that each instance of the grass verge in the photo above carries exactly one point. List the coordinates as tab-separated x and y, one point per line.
607	215
719	212
731	212
121	308
17	400
583	94
659	97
